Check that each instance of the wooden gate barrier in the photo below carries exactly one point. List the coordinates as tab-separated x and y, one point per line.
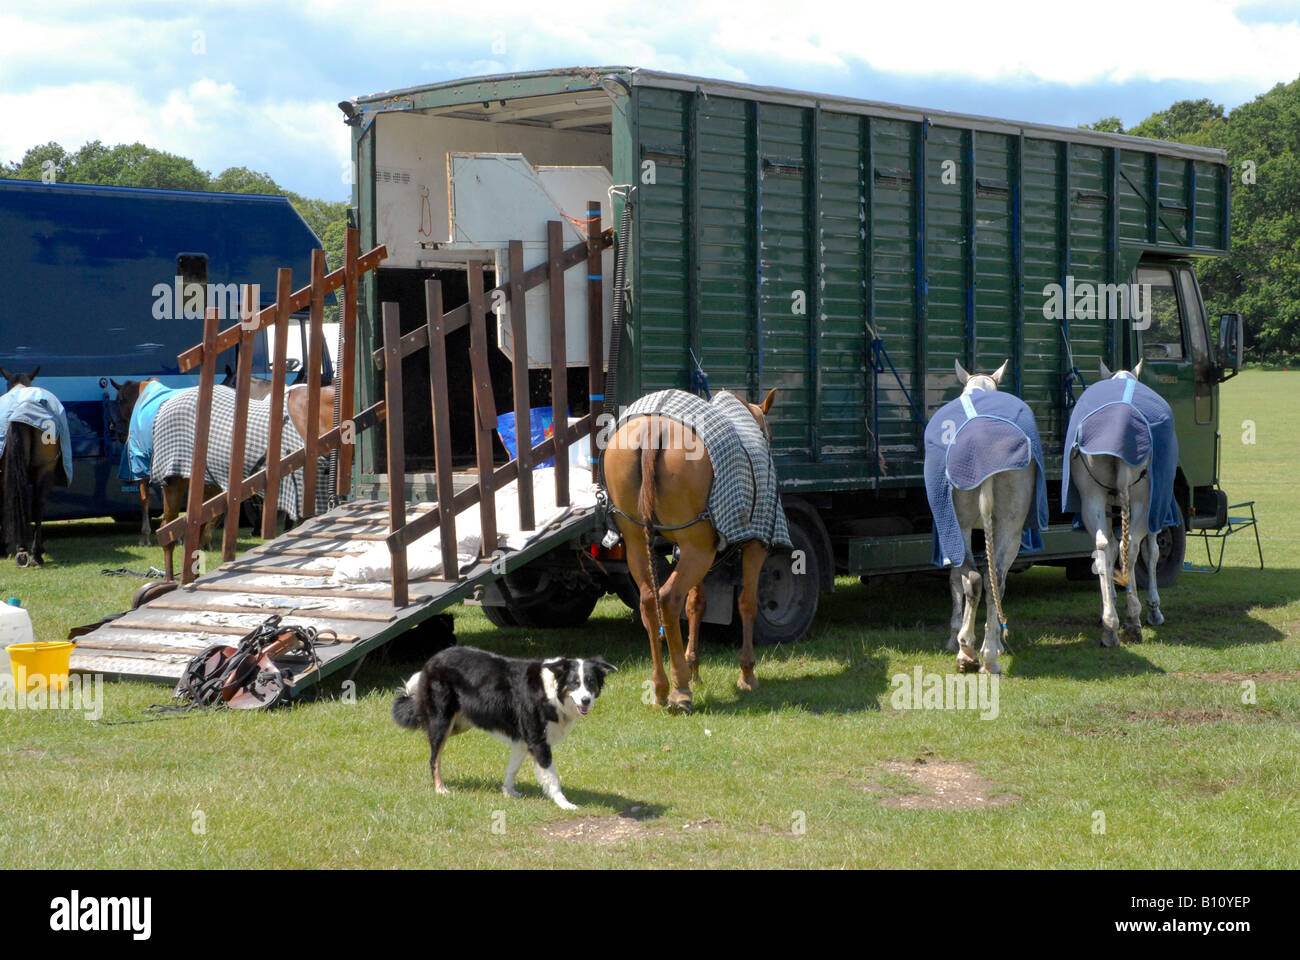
287	302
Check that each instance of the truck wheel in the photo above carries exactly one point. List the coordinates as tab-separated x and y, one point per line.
563	608
500	616
787	600
1172	541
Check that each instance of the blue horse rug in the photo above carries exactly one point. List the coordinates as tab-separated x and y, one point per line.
137	453
745	497
40	409
1123	418
968	440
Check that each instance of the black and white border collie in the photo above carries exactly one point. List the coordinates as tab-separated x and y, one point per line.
529	704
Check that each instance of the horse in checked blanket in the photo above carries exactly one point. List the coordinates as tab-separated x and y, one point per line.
36	457
134	429
173	414
983	468
660	479
1121	450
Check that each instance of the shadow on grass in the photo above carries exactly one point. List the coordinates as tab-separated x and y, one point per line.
529	790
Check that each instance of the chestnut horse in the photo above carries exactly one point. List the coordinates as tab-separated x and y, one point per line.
669	488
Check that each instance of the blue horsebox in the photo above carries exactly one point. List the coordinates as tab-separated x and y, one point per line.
94	297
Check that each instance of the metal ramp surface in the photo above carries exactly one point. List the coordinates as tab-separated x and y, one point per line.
156	640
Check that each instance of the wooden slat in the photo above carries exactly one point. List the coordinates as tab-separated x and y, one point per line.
440	400
396	446
595	323
298	300
311	438
275	435
181	626
519	372
456	318
239	437
484	408
198	466
559	360
219	586
346	376
334	613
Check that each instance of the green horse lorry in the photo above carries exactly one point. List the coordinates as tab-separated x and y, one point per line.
844	251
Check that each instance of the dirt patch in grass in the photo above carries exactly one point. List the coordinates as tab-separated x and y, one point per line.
1184	715
634	822
939	785
1267	676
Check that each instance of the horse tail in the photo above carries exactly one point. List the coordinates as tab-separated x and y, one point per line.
990	552
1125	510
13	471
645	505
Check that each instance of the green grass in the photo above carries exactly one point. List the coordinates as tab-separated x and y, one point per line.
1186	774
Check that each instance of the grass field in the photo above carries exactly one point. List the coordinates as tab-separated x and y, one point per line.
1152	742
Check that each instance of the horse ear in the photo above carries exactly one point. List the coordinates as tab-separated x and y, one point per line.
766	405
6	374
1001	371
116	386
1105	370
34	373
962	375
1137	371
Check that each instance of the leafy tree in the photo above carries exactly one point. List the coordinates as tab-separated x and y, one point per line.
1105	125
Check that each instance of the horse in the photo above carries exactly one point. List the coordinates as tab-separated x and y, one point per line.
1130	463
666	489
988	476
175	487
37	457
128	395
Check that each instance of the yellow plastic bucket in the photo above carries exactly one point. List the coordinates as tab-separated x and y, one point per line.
46	660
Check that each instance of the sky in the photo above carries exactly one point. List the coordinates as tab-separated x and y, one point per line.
256	84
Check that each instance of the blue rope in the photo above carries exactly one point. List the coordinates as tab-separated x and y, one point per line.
699	379
879	360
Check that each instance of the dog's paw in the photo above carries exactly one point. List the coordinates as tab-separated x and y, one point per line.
564	804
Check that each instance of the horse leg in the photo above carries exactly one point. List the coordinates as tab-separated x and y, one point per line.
695	557
958	602
174	494
1002	552
1154	616
1097	518
638	564
40	495
144	512
751	562
695	603
1133	530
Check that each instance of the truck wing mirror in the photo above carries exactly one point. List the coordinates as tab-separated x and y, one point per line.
1230	345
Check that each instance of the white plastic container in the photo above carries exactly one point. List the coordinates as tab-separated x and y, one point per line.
15	627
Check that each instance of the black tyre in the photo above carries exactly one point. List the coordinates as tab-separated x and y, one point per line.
500	616
1172	541
789	587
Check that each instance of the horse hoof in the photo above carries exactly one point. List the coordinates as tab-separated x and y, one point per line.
1130	633
661	701
966	663
1155	617
1109	638
952	645
994	670
747	683
679	703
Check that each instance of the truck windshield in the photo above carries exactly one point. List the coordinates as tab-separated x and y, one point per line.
1195	313
1163	339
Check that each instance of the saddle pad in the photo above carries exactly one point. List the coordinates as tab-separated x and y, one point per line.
745	497
968	440
173	445
1123	418
41	409
137	452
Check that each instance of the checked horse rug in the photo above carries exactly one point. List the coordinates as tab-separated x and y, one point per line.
968	440
745	497
173	445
